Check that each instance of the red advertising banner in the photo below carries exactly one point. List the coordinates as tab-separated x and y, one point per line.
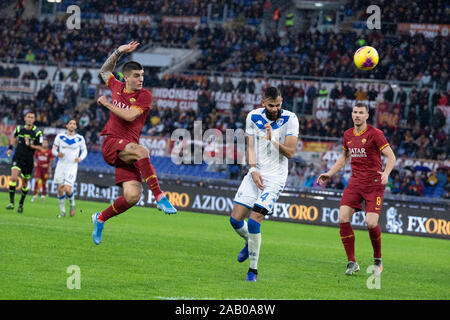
315	146
187	99
428	30
385	117
172	98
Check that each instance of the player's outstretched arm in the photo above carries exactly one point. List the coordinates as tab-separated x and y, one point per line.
340	163
110	63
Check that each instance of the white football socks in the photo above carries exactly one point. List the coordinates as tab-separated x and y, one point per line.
62	204
243	232
72	199
254	243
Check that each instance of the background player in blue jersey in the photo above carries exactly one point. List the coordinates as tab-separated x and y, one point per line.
70	148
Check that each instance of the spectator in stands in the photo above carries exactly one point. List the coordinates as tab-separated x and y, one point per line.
415	187
396	189
29	75
242	86
237	108
13	72
87	76
30	58
42	73
59	74
227	85
73	75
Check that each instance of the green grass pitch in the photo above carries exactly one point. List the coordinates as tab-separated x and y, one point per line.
148	255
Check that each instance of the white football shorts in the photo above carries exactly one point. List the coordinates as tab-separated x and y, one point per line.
250	195
65	175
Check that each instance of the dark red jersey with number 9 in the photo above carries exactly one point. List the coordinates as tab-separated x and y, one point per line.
365	154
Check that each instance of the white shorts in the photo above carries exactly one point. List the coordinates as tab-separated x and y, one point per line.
250	195
65	175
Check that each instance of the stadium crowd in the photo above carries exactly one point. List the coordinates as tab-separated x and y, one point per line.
408	181
246	49
397	11
418	133
157	8
417	136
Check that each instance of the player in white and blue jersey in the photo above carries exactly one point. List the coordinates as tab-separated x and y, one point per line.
271	137
70	148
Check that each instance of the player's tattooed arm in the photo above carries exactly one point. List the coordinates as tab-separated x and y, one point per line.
110	63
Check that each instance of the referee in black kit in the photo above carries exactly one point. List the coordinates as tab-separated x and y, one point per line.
29	138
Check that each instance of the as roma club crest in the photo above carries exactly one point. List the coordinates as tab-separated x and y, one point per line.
364	140
132	100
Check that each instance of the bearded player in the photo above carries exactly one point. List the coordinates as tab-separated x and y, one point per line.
43	162
363	144
271	136
121	149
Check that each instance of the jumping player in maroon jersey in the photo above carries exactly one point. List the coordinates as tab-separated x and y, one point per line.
129	108
363	144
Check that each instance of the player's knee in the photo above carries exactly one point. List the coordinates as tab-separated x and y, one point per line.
371	223
344	218
236	224
142	152
14	177
132	197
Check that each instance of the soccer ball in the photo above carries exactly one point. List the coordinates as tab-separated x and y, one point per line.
366	58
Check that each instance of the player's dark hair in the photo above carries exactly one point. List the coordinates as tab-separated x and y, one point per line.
130	66
71	120
362	105
272	93
28	113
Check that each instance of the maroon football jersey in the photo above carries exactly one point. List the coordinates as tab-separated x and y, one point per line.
122	98
365	154
43	158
